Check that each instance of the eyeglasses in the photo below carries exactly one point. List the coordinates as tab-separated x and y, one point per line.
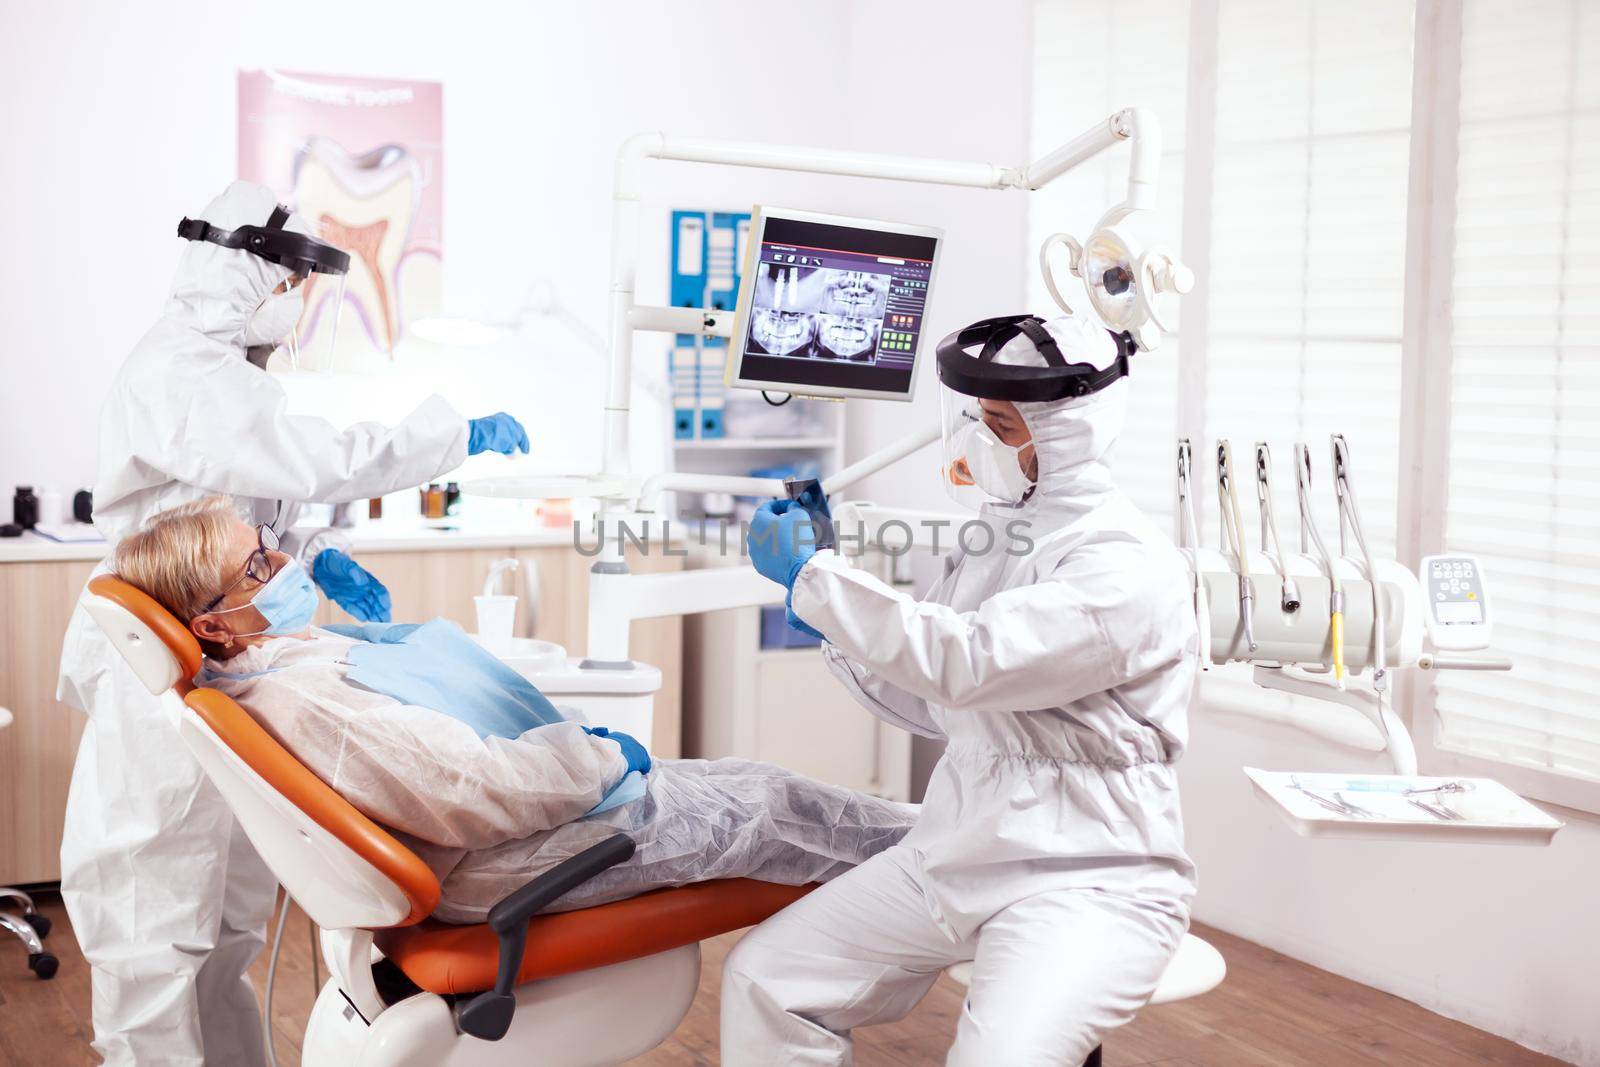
258	568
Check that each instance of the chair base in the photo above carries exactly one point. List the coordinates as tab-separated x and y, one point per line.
31	929
591	1018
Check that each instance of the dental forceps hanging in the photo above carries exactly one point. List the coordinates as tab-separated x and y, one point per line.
1189	542
1350	516
1269	528
1308	537
1233	539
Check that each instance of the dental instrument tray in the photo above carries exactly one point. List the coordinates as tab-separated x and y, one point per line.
1403	808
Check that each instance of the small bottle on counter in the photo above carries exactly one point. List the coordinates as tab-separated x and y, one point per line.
433	502
375	508
452	498
25	508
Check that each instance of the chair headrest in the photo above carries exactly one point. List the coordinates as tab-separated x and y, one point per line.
159	648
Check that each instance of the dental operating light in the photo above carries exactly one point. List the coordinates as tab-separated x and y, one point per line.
1125	276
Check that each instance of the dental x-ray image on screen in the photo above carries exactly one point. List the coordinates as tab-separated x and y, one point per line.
851	316
817	313
783	317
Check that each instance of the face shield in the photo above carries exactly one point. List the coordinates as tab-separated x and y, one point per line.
988	453
307	303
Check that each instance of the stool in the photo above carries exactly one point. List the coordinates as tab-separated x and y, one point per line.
1196	968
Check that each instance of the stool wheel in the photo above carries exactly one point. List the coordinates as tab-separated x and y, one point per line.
43	964
40	924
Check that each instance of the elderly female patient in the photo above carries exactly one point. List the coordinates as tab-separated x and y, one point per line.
486	780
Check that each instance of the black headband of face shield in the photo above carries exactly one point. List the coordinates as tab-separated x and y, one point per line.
301	254
986	379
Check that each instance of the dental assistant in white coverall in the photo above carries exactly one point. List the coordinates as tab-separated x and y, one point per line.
167	897
1050	847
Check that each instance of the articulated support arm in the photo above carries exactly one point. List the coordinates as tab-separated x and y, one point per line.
1397	740
488	1015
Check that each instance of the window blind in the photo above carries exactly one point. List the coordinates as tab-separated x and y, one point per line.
1307	263
1091	59
1524	439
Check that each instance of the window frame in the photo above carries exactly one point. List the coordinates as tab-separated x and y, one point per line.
1427	353
1428	357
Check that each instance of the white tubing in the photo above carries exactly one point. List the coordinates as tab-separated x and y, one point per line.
1144	168
272	975
1081	148
689	482
681	320
889	454
834	161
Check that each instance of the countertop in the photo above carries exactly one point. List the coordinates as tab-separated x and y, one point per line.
398	535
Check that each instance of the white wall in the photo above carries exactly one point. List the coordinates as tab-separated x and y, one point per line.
1502	937
119	119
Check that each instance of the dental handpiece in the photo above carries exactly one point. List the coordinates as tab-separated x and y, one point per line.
1308	528
1189	540
1233	527
1269	528
1345	493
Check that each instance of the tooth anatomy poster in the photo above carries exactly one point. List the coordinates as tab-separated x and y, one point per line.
361	159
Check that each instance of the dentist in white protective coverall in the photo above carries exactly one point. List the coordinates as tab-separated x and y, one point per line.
1059	665
167	897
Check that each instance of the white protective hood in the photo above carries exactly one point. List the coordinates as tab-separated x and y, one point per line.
217	288
1072	438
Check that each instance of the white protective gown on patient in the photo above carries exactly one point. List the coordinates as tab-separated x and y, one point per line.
1050	846
489	814
167	898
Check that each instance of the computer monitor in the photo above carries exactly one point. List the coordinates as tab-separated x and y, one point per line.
832	306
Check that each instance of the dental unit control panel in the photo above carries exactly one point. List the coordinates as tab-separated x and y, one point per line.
1458	603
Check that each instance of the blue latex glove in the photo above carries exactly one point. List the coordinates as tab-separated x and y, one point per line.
496	433
632	751
781	541
350	586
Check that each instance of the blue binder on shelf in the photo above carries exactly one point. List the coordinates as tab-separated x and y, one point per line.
708	252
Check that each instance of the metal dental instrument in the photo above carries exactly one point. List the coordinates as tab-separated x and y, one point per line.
1336	804
1308	531
1269	528
1355	809
1189	541
1233	539
1438	811
1350	514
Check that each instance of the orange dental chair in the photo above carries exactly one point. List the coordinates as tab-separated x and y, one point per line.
590	987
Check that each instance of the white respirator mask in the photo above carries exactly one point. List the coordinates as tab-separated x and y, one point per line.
977	458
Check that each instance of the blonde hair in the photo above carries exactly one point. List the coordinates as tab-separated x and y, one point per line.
180	556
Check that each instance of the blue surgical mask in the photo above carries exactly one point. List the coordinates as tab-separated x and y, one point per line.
288	602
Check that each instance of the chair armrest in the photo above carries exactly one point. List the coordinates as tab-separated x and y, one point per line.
488	1015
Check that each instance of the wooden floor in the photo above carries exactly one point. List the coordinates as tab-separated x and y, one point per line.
1271	1012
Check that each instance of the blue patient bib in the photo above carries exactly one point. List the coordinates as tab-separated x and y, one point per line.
436	665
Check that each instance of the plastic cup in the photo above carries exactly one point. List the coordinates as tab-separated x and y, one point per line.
497	619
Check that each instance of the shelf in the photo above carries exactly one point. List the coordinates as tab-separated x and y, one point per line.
753	444
1486	811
